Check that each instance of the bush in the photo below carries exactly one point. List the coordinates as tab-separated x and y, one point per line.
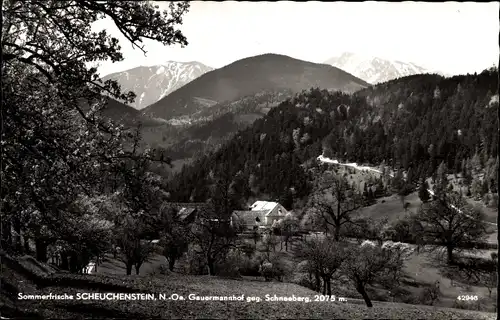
282	269
493	201
231	265
195	263
459	304
400	294
162	269
266	269
430	294
302	279
486	199
250	267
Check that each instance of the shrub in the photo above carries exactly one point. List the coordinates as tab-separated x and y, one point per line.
162	269
493	201
459	304
195	263
486	199
303	279
403	295
231	265
430	294
406	205
250	267
266	269
282	269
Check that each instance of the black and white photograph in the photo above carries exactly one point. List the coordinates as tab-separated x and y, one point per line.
249	160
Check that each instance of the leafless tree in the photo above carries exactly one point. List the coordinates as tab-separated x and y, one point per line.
367	265
335	201
212	237
450	222
324	257
287	227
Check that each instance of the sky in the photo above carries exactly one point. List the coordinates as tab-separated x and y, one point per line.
451	37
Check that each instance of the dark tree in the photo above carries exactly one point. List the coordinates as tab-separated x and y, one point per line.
423	191
57	150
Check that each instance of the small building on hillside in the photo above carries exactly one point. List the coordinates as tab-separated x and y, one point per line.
261	214
187	212
190	212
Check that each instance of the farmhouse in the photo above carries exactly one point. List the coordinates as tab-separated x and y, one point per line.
261	214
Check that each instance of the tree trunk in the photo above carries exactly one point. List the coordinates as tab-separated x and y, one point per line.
171	264
211	267
27	249
137	268
361	289
17	235
41	250
6	234
73	262
318	281
449	251
64	261
129	266
329	287
336	233
324	286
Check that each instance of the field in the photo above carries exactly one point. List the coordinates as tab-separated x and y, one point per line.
391	207
421	270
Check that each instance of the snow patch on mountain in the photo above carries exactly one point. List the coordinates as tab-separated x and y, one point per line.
374	69
160	70
152	83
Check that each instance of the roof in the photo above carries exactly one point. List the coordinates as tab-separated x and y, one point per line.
263	206
249	218
185	212
187	204
185	209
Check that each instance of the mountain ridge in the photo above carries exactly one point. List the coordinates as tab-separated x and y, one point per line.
152	83
375	69
248	76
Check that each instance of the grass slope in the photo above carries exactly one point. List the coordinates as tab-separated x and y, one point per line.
202	286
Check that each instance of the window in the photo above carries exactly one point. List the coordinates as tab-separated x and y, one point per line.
257	219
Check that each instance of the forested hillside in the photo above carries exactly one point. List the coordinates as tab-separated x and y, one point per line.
413	123
219	123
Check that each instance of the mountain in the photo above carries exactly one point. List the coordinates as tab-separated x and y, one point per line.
267	72
151	84
373	69
413	123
